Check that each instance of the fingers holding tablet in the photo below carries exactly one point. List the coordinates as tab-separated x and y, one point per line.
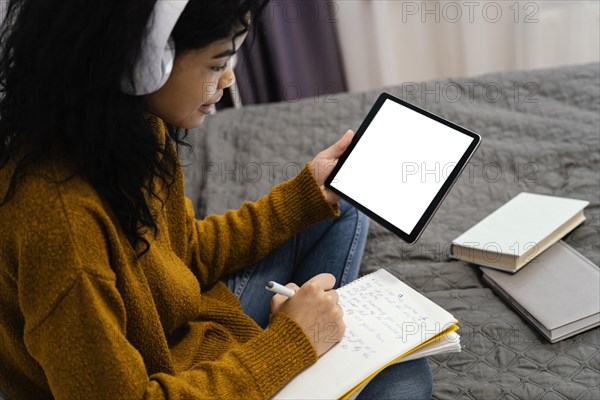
325	161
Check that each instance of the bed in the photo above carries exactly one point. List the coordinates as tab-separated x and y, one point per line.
541	134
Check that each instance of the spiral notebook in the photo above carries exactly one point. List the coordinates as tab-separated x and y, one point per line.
386	322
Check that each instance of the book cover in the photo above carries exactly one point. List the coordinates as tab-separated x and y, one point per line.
558	292
518	231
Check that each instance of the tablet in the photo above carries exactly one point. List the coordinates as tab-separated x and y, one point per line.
401	164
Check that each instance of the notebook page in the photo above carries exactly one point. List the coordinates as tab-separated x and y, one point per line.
384	319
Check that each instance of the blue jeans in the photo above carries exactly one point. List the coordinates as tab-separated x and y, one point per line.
335	246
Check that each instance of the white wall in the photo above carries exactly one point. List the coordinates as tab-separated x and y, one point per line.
388	42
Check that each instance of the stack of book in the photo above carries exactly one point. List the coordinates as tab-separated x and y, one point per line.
556	289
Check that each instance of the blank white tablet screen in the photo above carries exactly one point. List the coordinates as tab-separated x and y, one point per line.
400	163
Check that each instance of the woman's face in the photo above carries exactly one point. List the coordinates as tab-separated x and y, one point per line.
195	84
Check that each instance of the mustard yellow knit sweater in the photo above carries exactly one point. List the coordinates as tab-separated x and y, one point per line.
79	319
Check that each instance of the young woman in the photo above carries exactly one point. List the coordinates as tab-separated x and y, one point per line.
109	285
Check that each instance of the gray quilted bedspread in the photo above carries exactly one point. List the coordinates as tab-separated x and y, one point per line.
541	134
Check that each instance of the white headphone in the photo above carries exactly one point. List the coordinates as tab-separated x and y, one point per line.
155	63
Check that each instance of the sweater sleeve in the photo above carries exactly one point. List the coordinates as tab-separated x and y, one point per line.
221	244
82	348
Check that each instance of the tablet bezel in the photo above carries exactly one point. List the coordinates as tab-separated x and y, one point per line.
412	236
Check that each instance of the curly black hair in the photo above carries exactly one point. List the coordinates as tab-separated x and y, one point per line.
61	67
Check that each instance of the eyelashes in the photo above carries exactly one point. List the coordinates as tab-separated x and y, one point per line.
220	68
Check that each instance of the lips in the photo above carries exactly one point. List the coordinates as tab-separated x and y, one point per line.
209	108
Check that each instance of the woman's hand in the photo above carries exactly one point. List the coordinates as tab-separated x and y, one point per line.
315	308
323	164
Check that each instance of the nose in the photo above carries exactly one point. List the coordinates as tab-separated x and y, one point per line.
227	79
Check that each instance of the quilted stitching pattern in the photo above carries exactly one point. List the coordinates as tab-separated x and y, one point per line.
504	358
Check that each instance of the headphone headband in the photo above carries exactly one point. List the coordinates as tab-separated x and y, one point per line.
156	59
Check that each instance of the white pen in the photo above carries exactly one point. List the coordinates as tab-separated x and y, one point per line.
279	289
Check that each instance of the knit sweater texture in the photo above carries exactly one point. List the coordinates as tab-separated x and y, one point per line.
80	318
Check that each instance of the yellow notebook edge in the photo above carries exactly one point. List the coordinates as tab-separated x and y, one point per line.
451	328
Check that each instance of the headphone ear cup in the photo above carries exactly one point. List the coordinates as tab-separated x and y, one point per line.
150	76
157	58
